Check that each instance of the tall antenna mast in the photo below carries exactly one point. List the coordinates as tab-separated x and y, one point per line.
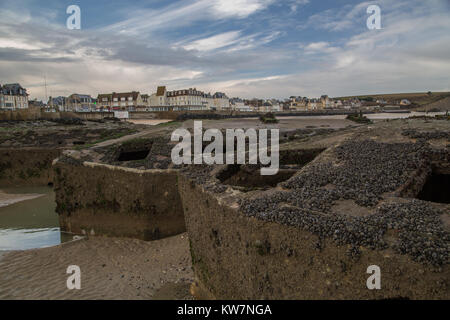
45	82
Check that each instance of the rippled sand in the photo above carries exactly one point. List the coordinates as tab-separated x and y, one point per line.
111	268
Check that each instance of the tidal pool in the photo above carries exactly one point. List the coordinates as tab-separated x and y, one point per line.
31	223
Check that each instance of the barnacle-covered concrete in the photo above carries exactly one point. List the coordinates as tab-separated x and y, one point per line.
122	188
27	148
359	202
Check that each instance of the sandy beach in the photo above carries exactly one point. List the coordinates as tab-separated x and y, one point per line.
111	268
149	122
7	199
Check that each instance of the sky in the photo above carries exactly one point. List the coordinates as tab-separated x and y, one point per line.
245	48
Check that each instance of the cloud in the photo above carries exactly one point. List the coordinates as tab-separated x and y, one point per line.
320	47
231	41
296	3
339	19
238	8
187	12
409	54
214	42
250	52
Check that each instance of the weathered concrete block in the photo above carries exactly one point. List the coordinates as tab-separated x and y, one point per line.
100	199
27	166
314	235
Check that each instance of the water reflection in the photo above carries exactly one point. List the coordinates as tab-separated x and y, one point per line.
32	223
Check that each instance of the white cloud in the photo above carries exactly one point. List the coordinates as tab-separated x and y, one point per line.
238	8
320	47
17	44
186	12
231	41
296	3
214	42
410	53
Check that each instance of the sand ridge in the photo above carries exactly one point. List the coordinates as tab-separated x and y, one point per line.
7	199
111	268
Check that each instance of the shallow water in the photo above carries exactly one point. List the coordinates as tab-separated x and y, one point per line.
32	223
373	116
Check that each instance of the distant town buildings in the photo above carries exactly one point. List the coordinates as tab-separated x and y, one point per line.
58	103
187	100
80	103
36	104
13	96
238	104
125	101
221	101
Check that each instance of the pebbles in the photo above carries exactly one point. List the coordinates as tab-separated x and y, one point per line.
426	135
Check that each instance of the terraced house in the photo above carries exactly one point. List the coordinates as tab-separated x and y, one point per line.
125	101
59	103
221	101
13	96
80	103
187	100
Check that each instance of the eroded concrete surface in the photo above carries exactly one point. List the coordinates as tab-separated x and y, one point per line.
314	235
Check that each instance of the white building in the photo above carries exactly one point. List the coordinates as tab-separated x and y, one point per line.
238	104
187	99
270	106
125	101
13	96
158	101
221	101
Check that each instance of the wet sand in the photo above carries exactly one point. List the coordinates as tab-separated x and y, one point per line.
284	124
111	268
7	199
149	122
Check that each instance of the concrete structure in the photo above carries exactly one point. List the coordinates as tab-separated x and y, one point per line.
13	96
26	157
133	193
362	198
